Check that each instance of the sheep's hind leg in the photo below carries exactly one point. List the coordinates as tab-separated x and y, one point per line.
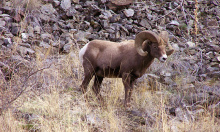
96	88
85	84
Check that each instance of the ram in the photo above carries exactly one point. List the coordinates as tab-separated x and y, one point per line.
127	60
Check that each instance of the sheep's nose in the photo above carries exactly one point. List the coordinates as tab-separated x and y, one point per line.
164	58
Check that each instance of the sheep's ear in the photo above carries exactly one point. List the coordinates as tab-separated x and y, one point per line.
169	52
165	36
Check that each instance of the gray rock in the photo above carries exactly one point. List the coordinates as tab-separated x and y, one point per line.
115	18
215	74
56	3
24	37
182	115
150	16
71	12
48	13
7	41
121	2
144	23
44	45
106	15
48	9
81	37
15	29
128	12
105	24
174	23
1	42
45	36
218	58
65	4
25	45
190	44
2	23
176	47
56	27
24	51
67	47
37	29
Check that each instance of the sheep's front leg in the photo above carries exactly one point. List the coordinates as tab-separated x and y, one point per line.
128	85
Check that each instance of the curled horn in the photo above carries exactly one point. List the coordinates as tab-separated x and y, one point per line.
165	36
141	37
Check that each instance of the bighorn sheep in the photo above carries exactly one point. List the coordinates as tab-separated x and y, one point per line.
127	60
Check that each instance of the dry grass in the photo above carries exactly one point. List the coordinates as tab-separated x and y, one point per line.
28	5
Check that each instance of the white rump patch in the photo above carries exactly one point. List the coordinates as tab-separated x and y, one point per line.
82	52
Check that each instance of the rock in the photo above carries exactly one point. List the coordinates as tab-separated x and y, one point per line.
213	23
105	24
89	3
25	51
1	42
128	12
15	29
218	58
182	115
215	48
190	44
25	45
93	119
48	10
48	13
76	1
56	3
144	23
37	29
44	45
67	48
7	41
106	15
215	74
2	23
81	37
137	117
71	12
168	81
46	37
65	4
174	23
121	2
176	47
24	37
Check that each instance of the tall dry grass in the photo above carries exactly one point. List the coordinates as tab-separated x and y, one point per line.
28	5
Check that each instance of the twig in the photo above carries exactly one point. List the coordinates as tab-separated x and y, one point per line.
25	82
170	11
183	10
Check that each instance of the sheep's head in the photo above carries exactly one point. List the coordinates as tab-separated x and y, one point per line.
156	43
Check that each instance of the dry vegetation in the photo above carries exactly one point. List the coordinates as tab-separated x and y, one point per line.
51	101
43	95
